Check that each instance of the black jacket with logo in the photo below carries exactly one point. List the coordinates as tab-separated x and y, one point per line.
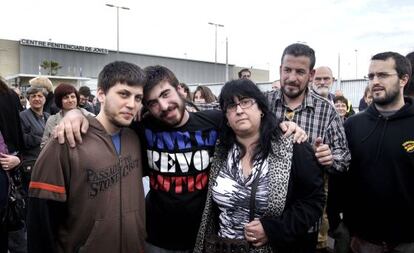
380	189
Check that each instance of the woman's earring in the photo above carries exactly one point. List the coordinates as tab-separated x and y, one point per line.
261	115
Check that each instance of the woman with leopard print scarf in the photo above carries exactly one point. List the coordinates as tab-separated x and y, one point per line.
289	196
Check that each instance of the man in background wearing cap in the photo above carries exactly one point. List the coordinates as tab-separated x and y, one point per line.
44	82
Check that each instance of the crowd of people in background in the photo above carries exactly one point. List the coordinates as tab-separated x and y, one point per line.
240	171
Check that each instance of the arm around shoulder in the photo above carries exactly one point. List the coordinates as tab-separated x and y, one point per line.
72	126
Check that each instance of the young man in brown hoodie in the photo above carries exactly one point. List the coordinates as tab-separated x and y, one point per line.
89	199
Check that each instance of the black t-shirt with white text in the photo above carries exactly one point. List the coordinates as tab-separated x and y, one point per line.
177	161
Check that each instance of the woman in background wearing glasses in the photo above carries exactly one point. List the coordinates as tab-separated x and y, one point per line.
289	196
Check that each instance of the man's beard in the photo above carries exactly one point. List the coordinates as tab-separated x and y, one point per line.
181	109
112	118
293	94
321	90
390	96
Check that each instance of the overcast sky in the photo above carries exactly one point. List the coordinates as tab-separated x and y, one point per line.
257	31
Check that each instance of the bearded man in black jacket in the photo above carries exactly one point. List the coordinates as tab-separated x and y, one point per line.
380	207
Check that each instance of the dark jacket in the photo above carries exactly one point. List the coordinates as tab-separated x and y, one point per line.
12	133
33	127
362	105
295	180
380	204
10	121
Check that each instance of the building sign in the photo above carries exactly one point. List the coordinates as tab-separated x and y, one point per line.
50	44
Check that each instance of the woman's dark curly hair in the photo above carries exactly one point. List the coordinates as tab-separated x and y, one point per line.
245	88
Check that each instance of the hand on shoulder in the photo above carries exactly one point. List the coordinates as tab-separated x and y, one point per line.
72	125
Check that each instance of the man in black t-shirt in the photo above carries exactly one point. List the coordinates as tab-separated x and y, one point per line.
179	146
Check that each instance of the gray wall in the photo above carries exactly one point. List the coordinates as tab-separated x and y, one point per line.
353	90
9	57
72	62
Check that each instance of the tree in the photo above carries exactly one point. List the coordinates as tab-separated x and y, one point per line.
52	67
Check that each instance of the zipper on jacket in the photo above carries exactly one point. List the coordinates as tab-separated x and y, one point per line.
119	164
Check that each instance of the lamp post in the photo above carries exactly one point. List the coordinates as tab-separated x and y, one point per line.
339	81
356	63
339	66
50	56
117	23
215	38
227	59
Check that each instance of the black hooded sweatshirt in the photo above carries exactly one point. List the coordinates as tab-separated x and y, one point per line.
380	193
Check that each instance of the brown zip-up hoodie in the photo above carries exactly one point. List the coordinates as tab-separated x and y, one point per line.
101	191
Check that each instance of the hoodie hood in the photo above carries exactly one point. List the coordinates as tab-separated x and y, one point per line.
406	111
96	125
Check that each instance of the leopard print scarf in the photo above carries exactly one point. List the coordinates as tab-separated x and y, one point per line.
279	160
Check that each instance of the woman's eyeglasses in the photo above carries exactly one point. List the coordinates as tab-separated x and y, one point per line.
243	103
